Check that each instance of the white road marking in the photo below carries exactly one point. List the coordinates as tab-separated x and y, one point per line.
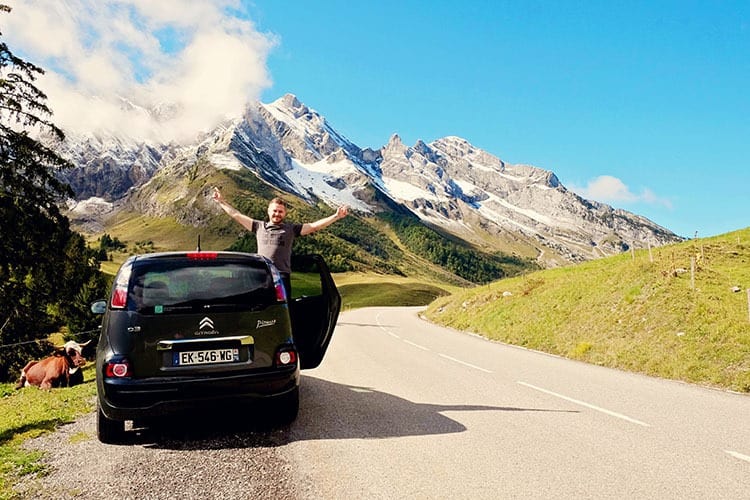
587	405
738	455
464	363
386	330
416	345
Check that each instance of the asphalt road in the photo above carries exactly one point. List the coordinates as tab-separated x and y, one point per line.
403	409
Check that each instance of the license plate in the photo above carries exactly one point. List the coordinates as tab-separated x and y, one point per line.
209	356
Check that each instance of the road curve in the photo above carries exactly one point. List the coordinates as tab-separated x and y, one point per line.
402	408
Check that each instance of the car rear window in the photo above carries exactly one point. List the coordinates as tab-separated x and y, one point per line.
164	286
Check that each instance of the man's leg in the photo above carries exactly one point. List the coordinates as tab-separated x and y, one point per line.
287	279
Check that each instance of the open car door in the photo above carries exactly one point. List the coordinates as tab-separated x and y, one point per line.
314	308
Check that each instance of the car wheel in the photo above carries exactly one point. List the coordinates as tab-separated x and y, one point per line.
287	407
107	430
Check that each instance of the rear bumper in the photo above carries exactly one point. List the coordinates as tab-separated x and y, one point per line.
130	399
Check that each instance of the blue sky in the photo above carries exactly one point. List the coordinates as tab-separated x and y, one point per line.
642	105
654	94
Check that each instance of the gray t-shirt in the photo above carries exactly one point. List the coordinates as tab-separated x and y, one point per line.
275	242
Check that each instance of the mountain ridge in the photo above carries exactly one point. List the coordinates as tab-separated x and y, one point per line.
449	184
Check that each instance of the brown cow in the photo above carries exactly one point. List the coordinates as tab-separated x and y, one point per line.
63	369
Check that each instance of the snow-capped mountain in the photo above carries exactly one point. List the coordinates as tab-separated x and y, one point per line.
108	166
447	183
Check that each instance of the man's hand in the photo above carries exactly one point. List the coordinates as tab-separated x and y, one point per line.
342	211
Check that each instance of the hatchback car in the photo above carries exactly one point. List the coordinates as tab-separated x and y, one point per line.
185	330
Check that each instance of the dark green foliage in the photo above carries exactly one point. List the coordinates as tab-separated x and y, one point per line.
365	237
466	262
43	264
350	244
106	242
80	274
245	243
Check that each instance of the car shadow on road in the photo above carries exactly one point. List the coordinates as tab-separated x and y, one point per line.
328	410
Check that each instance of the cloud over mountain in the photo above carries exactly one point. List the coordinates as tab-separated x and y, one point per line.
184	66
610	189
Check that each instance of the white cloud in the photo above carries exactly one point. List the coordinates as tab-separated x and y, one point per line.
609	189
199	57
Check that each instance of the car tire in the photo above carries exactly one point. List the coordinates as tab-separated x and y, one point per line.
287	407
107	430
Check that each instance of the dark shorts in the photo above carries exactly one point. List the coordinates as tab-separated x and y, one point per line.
287	279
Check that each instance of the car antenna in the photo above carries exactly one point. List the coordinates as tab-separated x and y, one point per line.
199	244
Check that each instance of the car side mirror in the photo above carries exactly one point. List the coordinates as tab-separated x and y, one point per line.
99	307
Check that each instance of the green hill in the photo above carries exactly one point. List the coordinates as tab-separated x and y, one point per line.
678	312
174	209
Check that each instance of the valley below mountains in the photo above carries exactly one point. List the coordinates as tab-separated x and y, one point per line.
468	196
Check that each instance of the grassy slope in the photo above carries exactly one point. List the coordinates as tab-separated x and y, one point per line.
366	290
628	312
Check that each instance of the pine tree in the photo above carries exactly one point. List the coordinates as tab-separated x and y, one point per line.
34	232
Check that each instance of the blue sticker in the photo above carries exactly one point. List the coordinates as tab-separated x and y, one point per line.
158	309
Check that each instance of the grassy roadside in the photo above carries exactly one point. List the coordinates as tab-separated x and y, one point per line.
30	412
677	312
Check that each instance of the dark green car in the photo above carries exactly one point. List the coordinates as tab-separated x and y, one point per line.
185	330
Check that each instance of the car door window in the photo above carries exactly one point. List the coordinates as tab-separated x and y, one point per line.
313	316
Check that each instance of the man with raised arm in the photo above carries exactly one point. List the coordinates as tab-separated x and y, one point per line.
275	237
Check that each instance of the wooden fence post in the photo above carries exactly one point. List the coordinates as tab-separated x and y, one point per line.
692	273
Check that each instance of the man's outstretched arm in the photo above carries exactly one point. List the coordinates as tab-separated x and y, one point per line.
311	227
242	219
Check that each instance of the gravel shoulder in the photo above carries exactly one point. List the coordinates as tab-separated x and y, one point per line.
192	458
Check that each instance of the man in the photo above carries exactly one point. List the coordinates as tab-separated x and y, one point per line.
275	237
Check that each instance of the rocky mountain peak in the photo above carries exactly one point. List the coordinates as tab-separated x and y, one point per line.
394	145
290	105
290	101
448	183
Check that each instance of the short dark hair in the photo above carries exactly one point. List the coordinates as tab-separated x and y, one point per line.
278	201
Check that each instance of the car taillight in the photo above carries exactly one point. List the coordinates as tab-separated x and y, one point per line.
118	369
280	292
286	357
120	293
278	283
202	255
119	297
